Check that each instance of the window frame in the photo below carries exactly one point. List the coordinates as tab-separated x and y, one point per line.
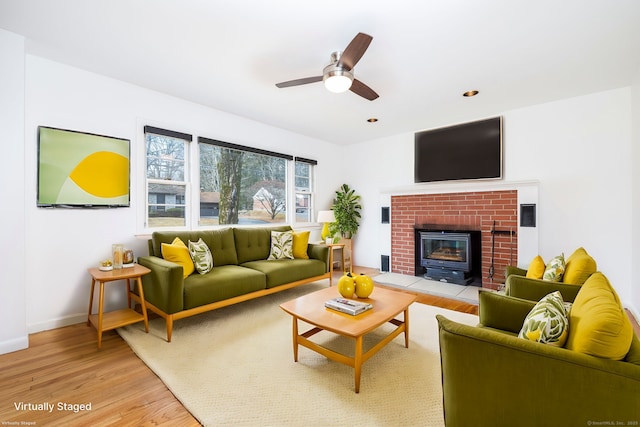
186	178
310	192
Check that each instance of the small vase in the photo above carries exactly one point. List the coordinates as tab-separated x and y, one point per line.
346	286
118	255
364	286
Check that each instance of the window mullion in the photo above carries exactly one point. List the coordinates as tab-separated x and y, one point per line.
193	189
291	192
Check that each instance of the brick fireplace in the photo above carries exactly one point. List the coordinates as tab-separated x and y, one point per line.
477	211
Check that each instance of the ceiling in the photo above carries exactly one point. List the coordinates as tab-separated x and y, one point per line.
228	54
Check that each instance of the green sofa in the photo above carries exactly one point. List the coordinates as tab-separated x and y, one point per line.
490	377
240	271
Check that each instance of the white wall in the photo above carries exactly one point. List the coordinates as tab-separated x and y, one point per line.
635	186
13	333
63	243
579	152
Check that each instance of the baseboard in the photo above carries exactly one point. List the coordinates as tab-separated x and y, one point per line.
61	322
15	344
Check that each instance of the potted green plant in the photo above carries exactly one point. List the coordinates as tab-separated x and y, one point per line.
346	208
334	235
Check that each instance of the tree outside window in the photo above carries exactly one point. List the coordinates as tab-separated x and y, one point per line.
241	186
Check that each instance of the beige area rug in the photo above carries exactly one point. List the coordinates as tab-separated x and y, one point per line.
234	367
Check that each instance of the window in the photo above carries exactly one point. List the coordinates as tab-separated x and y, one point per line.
218	183
303	188
167	182
241	185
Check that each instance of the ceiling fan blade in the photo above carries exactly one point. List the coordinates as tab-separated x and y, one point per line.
299	82
354	51
363	90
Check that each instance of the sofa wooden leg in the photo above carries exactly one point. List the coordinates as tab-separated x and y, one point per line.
169	327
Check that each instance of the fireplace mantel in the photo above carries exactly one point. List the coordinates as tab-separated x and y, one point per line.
445	227
459	187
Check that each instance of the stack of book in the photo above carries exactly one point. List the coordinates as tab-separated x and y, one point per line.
348	306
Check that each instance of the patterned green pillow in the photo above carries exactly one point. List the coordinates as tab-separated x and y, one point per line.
201	256
281	245
547	322
555	269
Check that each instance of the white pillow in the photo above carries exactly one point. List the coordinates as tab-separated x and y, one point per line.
281	245
555	269
547	322
201	256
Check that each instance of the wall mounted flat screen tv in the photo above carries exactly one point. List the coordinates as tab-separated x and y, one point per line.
82	170
461	152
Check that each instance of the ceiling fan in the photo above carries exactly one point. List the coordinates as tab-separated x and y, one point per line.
338	75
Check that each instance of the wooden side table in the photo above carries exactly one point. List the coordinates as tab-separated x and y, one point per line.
332	247
115	319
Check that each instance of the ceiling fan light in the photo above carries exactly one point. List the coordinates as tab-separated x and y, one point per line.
337	84
338	81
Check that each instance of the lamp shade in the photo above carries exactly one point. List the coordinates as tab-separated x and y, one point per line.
326	216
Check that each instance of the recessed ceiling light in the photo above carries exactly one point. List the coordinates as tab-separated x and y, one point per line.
470	93
372	120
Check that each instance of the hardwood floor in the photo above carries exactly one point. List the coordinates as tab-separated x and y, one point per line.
64	367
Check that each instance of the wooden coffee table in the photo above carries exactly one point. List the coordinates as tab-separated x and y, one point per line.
387	304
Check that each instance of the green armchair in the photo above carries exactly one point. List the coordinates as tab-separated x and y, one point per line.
579	267
490	377
520	286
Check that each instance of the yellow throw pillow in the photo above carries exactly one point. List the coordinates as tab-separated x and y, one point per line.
300	243
178	252
598	324
580	265
536	268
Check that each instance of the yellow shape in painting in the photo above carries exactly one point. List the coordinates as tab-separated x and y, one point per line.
102	174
